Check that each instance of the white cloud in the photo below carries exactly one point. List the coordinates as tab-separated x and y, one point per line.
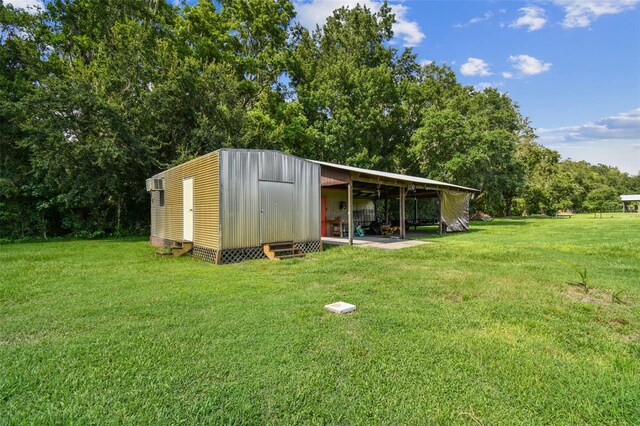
315	12
475	20
528	65
484	17
625	125
581	13
532	17
610	140
425	62
507	74
408	31
475	66
485	85
29	5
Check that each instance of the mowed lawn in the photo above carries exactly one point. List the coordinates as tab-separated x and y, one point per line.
476	328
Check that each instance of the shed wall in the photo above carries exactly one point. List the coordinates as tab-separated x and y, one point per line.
240	172
166	222
334	197
306	195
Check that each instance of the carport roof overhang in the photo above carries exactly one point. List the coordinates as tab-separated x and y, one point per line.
392	179
630	197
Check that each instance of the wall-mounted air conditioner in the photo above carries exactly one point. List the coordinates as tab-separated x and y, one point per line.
155	184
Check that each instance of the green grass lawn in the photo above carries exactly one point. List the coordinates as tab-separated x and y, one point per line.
476	328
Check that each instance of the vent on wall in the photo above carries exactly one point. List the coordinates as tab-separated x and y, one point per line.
155	184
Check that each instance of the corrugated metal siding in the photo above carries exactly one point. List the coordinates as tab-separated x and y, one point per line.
166	222
276	212
240	171
239	200
277	167
306	195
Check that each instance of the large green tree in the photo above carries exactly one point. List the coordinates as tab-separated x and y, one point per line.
602	199
547	188
470	137
345	78
25	60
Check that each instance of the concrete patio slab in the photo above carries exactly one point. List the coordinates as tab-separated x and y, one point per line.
375	242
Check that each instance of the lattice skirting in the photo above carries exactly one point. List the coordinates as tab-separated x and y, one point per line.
250	253
238	255
204	253
309	246
234	255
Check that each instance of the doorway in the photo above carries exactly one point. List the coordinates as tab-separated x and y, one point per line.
187	209
276	211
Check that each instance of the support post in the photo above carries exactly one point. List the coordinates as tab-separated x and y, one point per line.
440	214
350	209
415	213
375	209
403	229
386	207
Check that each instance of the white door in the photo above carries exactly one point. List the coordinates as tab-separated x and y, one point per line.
276	211
187	209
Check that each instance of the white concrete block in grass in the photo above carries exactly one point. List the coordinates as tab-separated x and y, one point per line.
340	308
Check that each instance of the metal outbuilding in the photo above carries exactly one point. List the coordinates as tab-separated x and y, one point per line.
228	204
630	202
234	204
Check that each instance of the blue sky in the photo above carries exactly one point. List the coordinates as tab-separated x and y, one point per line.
573	66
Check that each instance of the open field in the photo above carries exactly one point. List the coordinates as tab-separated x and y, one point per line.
477	328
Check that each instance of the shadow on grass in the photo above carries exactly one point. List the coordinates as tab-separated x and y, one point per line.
434	232
509	221
130	239
119	240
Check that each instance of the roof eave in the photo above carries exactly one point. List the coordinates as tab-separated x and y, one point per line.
397	177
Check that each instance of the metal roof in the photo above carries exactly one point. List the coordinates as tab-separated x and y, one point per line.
376	173
632	197
396	176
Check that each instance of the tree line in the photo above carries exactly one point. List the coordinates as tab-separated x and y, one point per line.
98	95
